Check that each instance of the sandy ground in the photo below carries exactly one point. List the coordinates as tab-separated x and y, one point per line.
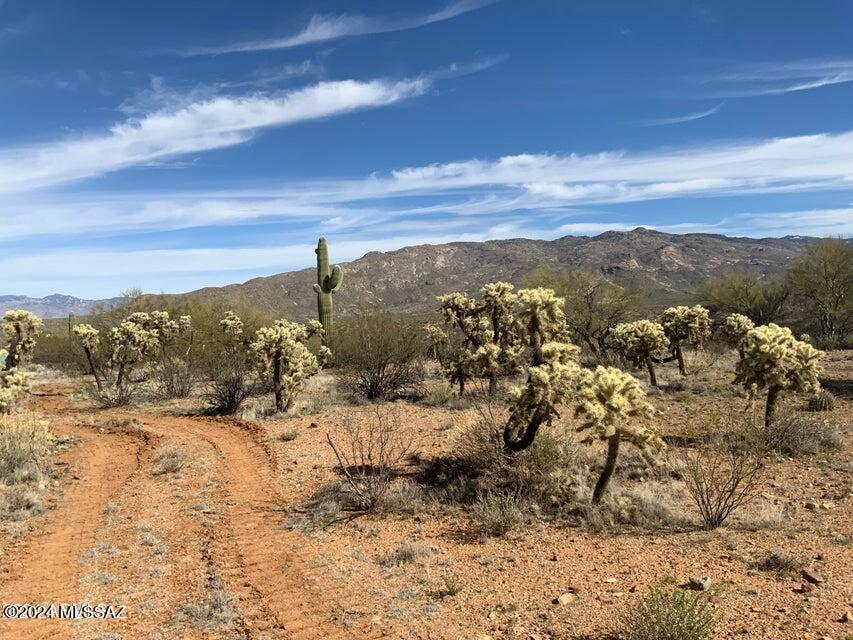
214	533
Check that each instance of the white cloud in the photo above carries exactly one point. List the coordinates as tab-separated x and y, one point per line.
200	126
690	117
322	28
776	78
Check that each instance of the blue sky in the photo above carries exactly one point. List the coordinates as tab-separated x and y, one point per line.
165	146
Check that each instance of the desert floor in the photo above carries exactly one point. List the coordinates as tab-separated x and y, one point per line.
219	548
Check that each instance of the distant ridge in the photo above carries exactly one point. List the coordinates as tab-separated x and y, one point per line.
667	266
53	306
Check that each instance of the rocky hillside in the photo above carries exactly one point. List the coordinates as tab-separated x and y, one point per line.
666	266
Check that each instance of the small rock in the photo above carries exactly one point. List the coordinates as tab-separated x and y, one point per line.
313	425
811	506
610	580
554	557
846	617
564	599
811	576
805	587
696	583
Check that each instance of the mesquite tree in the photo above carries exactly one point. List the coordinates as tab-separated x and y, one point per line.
775	360
641	343
282	352
734	329
607	398
686	324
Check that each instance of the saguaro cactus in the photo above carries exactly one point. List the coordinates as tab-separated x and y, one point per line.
328	282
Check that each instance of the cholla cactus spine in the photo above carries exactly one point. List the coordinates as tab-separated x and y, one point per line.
775	360
282	352
328	282
607	398
686	324
640	343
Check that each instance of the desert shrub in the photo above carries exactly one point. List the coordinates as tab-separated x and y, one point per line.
24	439
453	585
778	561
648	507
774	360
59	350
404	497
821	401
282	352
641	343
368	456
497	514
722	476
669	613
379	353
747	294
216	611
19	502
794	434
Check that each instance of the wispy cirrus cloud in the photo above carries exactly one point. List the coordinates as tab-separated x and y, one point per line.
776	78
322	28
689	117
203	125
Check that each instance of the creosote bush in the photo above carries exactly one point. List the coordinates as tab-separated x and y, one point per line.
379	353
669	613
773	359
232	374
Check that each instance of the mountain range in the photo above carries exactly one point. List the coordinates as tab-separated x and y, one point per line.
667	267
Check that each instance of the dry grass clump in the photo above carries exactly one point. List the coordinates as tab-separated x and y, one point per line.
406	553
779	561
19	502
497	514
216	611
169	460
24	440
797	434
669	613
649	507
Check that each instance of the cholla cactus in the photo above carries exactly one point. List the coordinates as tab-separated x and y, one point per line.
549	383
460	360
231	324
775	360
282	352
13	383
134	340
686	324
640	343
734	330
607	399
89	339
20	328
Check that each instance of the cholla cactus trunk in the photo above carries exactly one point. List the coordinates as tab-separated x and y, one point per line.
92	368
770	407
328	282
609	468
280	404
650	366
679	356
71	323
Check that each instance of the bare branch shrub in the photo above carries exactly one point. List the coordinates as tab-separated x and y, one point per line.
370	456
723	476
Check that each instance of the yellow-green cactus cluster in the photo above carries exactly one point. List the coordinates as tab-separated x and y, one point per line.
607	397
773	357
734	329
687	324
232	325
282	352
639	341
20	329
89	336
541	316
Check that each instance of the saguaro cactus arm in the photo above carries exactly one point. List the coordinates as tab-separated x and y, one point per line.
328	282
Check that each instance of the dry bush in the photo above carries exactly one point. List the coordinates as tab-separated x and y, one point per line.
669	613
231	383
24	440
216	611
497	514
380	353
406	553
369	456
796	434
722	476
779	561
169	460
648	507
175	378
19	502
